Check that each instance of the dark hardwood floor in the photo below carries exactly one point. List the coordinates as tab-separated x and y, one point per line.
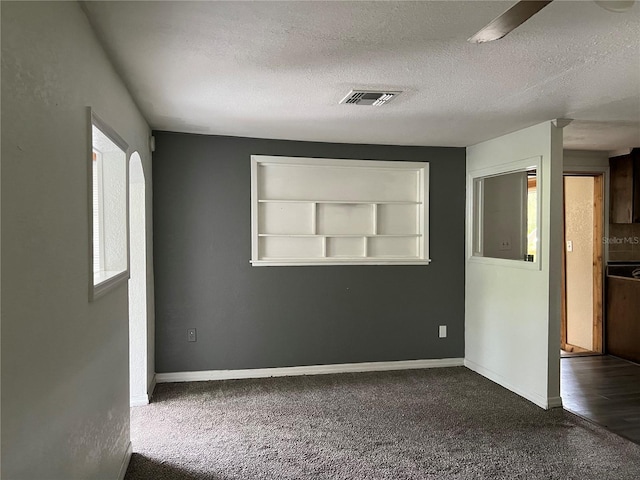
586	353
605	390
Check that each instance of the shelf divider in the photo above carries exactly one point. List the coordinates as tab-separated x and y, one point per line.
314	218
374	218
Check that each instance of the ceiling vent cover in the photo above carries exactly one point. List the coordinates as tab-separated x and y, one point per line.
369	97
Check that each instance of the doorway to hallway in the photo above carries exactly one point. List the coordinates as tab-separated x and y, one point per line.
583	265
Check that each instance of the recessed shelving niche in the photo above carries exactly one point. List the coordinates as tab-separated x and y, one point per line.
313	211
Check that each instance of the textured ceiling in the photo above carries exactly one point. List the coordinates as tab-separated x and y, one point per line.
279	69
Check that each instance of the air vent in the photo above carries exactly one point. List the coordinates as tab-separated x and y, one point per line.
369	97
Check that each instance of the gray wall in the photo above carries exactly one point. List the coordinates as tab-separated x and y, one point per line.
504	215
257	317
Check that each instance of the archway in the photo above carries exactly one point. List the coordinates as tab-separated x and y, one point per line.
137	284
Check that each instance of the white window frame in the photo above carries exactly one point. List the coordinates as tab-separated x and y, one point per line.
474	212
415	194
97	195
99	285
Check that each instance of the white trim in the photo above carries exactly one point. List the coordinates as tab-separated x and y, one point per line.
108	131
348	202
255	230
139	400
208	375
341	235
534	162
505	262
307	263
125	462
337	162
507	167
145	398
109	284
543	402
310	254
151	388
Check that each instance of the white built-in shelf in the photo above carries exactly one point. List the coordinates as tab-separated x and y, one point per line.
338	235
309	211
345	202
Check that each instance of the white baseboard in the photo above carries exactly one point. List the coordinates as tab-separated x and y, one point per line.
125	462
144	398
139	400
208	375
151	387
539	400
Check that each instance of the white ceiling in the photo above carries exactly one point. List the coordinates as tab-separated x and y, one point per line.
279	69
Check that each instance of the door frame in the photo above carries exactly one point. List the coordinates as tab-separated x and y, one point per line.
600	229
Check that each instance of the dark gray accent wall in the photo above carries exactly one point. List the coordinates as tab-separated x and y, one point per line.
258	317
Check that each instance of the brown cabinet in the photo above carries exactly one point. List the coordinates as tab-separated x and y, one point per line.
625	188
623	318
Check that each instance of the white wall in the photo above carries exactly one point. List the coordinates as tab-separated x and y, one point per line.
65	395
138	319
512	311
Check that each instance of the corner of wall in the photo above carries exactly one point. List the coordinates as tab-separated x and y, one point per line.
125	462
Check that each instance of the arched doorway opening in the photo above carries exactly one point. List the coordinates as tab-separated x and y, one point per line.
138	357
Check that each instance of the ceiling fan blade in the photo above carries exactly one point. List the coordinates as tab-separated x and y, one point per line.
509	20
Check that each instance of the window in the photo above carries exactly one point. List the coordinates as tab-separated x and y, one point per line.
310	211
109	224
505	212
532	216
98	213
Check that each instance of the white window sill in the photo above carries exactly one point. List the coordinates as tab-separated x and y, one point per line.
106	280
336	261
505	262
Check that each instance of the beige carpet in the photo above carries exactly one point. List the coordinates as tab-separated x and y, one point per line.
447	423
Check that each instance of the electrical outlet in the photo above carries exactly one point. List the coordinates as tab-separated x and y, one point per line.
191	335
442	331
505	244
569	246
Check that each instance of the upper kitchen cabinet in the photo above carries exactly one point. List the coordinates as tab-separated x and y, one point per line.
625	188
